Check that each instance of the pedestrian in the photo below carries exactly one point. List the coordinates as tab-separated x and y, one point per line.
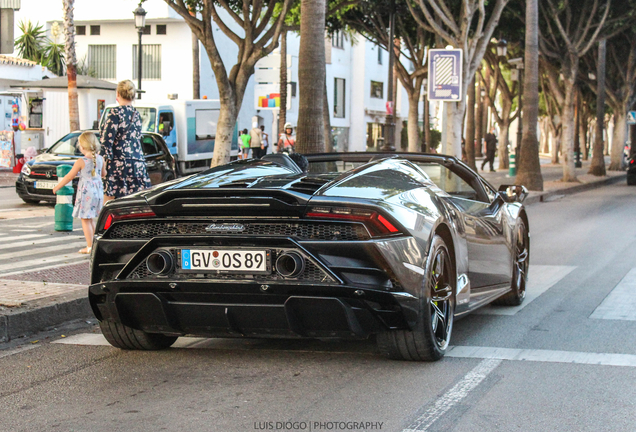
265	143
287	142
120	137
256	142
245	144
491	150
90	189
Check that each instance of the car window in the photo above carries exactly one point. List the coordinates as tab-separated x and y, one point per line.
332	166
67	145
149	146
448	181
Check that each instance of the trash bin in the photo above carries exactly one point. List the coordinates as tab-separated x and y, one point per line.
64	205
512	167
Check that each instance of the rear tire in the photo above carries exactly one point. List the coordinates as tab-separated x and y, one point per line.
517	292
430	339
124	337
631	180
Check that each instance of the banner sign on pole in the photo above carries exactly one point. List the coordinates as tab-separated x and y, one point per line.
445	75
631	117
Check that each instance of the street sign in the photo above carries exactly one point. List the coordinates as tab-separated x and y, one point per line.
445	75
631	117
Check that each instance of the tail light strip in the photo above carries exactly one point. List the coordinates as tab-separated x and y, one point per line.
378	225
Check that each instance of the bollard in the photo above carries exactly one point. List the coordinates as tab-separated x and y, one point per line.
64	206
512	167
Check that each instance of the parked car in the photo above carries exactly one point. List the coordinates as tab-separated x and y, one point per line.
396	245
38	177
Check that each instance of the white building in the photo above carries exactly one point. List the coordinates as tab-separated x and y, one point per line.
106	44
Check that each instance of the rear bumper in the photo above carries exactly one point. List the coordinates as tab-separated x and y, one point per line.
247	310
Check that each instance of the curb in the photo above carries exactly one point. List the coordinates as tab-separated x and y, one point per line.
43	315
543	196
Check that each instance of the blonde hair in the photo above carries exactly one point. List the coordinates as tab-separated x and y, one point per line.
126	90
88	141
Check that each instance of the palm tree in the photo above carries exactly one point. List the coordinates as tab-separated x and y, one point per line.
311	77
29	45
71	65
529	169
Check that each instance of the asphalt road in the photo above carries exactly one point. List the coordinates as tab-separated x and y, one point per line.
565	361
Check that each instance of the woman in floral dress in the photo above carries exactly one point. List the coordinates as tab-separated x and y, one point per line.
121	147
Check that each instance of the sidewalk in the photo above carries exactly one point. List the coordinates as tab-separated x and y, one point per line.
33	301
7	178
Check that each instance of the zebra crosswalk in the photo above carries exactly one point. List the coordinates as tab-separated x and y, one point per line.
20	252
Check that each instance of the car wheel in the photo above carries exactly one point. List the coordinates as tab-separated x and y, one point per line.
167	177
517	293
631	180
430	339
31	201
124	337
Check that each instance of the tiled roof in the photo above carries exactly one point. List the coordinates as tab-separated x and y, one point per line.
15	61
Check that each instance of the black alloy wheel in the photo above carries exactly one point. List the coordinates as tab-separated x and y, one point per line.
431	337
520	264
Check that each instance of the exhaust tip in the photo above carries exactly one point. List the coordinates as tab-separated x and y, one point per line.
290	264
160	262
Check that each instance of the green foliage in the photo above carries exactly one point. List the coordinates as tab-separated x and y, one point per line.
30	44
83	68
53	57
436	139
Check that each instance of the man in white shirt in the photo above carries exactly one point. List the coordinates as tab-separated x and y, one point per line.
256	142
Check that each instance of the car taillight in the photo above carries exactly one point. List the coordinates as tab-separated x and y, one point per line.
378	225
118	214
631	162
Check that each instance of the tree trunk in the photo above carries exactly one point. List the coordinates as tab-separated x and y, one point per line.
618	141
454	122
504	143
196	74
311	77
71	62
597	167
470	126
529	166
556	146
326	119
414	116
567	119
479	123
583	131
282	115
427	125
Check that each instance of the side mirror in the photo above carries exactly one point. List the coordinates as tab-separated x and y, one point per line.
513	193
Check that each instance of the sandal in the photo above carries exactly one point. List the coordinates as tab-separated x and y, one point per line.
85	251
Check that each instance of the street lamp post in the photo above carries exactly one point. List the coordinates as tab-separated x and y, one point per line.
389	125
140	23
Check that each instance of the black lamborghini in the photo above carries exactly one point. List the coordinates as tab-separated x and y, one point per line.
394	246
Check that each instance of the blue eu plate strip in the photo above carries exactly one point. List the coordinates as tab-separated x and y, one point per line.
185	259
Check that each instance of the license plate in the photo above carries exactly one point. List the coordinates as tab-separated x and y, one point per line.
225	260
45	184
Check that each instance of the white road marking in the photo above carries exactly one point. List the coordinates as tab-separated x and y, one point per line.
26	236
546	356
454	396
620	304
37	242
477	352
540	279
40	225
18	350
57	248
41	261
